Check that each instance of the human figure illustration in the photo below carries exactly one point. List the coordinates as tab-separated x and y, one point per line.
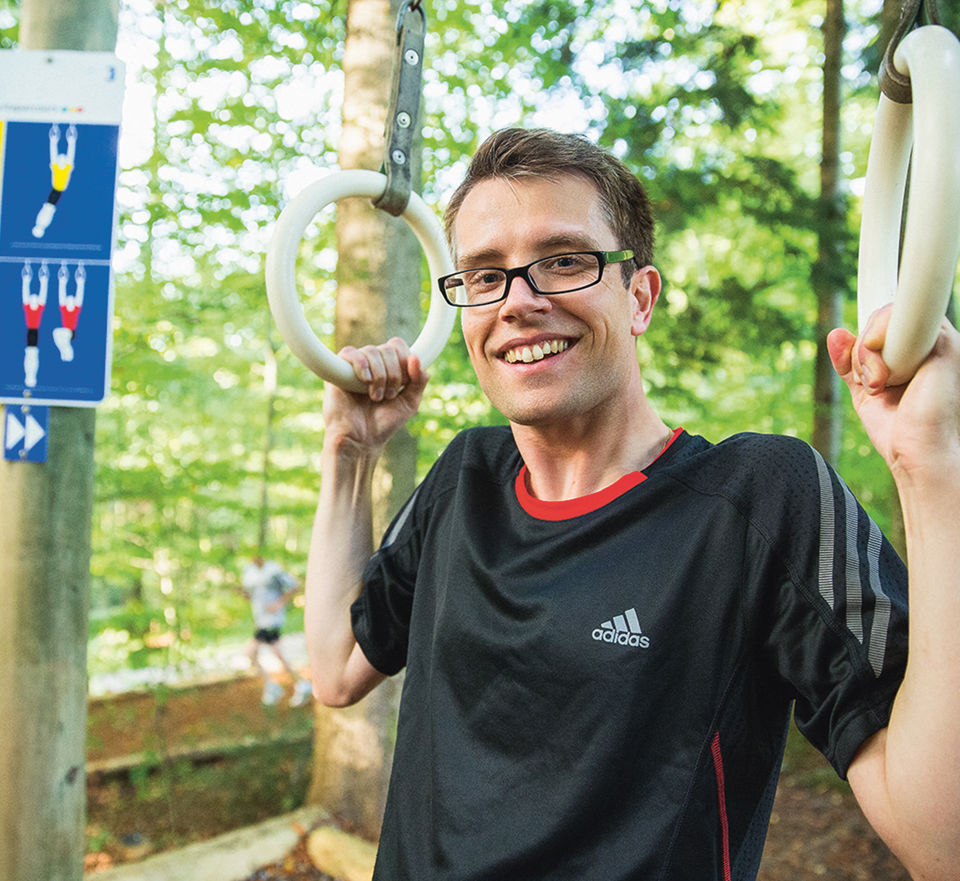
70	305
61	168
33	305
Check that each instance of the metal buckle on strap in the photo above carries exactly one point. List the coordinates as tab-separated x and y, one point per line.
404	110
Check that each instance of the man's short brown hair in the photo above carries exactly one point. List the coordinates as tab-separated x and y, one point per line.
516	153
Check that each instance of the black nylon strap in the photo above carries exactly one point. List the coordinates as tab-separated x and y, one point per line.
404	110
894	84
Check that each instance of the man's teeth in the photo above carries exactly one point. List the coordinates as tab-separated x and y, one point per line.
536	352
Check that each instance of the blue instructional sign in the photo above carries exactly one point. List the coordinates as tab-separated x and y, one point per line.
26	433
59	132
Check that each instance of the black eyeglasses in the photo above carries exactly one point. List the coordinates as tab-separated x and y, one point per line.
559	274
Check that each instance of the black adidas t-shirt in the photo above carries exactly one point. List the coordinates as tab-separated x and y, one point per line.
600	689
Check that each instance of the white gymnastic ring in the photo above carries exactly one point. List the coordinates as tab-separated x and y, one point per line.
281	276
930	56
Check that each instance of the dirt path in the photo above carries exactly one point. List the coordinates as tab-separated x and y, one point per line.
159	722
819	833
205	788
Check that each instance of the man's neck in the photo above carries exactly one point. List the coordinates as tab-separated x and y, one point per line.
584	455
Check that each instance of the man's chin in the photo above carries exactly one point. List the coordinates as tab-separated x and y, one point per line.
531	413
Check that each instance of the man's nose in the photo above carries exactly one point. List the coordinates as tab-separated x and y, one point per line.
522	299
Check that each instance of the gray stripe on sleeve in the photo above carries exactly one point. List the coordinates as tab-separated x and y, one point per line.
877	647
401	520
827	530
853	585
855	614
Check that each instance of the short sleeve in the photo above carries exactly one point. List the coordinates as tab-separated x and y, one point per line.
838	634
381	614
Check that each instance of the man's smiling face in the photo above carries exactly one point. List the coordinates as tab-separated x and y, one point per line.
541	359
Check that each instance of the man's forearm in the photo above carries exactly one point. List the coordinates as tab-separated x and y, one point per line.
340	546
922	749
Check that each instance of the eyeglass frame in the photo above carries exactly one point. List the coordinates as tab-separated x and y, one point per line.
604	259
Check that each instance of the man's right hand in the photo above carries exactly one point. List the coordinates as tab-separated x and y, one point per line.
395	383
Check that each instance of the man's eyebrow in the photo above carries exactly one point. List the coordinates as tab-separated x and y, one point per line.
479	259
546	247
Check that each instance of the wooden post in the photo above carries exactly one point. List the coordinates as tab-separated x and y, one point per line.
45	519
378	281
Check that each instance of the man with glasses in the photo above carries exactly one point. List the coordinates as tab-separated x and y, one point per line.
605	620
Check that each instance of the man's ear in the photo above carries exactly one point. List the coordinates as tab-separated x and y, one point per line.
645	290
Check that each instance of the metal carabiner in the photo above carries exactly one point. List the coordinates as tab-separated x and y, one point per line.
404	110
894	84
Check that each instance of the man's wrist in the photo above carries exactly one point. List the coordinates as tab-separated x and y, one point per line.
935	476
344	449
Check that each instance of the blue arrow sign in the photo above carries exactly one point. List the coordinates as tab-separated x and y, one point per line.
26	431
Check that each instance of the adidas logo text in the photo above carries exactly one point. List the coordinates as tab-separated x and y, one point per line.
623	630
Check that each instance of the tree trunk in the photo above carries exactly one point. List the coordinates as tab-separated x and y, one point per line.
832	215
378	285
270	388
45	581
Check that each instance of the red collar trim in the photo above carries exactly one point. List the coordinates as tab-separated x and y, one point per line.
565	509
568	508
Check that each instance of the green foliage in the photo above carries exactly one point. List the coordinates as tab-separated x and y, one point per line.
9	25
181	441
950	17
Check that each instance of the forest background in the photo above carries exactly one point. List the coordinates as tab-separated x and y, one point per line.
208	445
